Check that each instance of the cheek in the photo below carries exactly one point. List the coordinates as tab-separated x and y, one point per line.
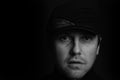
90	52
62	52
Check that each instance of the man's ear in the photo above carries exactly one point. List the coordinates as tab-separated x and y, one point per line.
98	49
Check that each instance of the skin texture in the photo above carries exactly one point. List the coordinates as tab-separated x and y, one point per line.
75	47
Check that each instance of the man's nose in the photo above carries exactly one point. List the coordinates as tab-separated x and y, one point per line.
76	49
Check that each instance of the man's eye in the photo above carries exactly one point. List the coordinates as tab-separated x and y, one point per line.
87	37
65	38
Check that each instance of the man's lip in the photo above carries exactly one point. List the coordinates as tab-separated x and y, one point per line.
74	67
76	62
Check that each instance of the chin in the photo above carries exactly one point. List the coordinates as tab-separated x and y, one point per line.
75	73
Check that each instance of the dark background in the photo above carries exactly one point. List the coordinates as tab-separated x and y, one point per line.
23	53
103	64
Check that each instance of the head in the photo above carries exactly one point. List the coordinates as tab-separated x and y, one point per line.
75	49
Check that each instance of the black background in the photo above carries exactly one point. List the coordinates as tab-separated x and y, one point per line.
23	53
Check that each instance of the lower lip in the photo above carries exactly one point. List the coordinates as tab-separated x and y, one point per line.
75	66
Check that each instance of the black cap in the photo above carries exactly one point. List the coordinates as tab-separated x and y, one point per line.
75	16
62	25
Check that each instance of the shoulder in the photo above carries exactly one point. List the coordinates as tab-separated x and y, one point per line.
48	77
97	77
92	76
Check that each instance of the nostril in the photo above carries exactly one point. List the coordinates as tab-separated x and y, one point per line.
74	52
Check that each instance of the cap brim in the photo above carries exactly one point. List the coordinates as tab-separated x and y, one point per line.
74	29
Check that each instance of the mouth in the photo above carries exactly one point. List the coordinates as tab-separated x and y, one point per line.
75	65
75	62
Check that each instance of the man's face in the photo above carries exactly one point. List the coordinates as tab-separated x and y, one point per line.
76	52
